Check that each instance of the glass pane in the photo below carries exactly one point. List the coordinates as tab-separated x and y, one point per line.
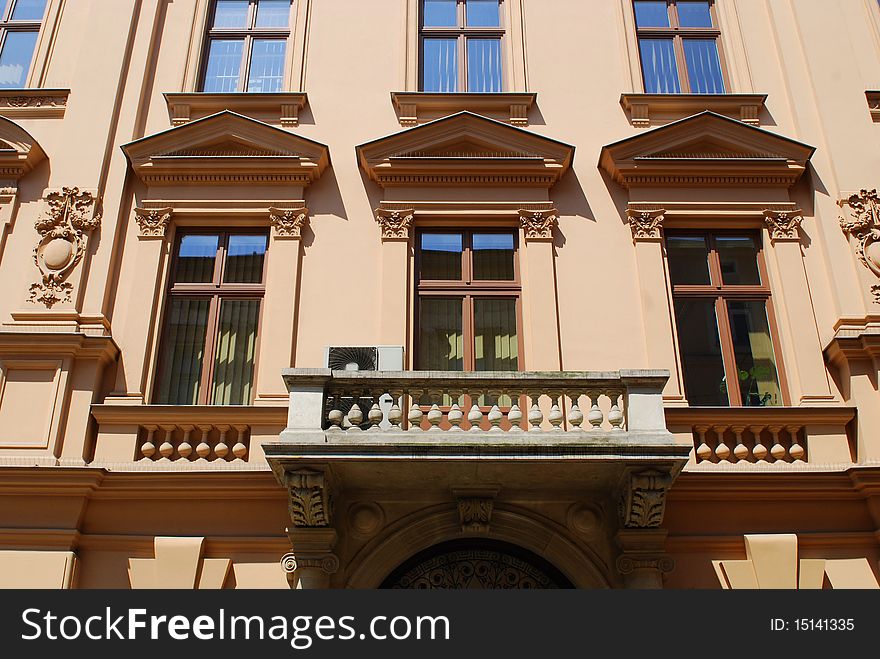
493	256
688	259
651	13
224	66
704	67
739	260
441	340
441	256
195	259
15	60
753	347
484	65
182	351
694	14
658	66
231	13
701	360
440	13
483	13
29	10
267	65
496	345
439	65
236	346
273	13
244	259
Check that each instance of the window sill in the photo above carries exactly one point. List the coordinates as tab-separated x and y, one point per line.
651	109
414	108
873	97
276	108
33	103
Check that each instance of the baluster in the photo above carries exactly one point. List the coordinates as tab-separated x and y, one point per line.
355	415
415	414
240	449
185	449
796	451
536	416
514	414
704	453
759	451
595	416
475	414
148	448
615	414
335	416
575	416
375	416
777	450
496	416
166	449
203	450
395	414
455	417
740	450
222	448
435	418
556	417
722	451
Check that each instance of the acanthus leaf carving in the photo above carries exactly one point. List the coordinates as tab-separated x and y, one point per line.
863	224
71	215
310	504
475	513
643	503
538	224
153	222
646	224
396	224
288	222
783	224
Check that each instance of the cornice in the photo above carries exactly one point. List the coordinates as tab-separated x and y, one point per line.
33	103
645	109
283	107
77	345
417	107
190	414
873	98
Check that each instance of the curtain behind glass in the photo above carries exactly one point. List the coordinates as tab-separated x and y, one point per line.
439	65
704	66
441	339
484	65
658	66
224	66
183	349
493	257
496	345
236	347
267	66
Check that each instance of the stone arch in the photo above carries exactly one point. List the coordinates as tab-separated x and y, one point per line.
420	531
19	151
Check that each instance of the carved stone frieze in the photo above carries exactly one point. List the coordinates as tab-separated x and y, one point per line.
538	224
309	500
646	224
644	498
783	225
395	224
153	222
70	217
288	222
475	513
863	224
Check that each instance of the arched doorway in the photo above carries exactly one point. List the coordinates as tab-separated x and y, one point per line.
476	564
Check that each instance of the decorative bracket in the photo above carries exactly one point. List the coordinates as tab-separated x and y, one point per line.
475	508
538	224
395	224
646	224
70	218
783	225
153	222
288	223
644	498
863	224
309	501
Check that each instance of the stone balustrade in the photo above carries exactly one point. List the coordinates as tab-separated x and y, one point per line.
204	442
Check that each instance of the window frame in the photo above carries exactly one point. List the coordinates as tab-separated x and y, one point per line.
247	34
462	33
721	293
468	289
215	291
678	34
7	25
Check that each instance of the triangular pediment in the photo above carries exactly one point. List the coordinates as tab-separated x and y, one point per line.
227	148
19	151
465	148
708	149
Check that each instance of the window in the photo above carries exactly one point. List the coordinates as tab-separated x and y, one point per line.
246	46
461	46
678	44
724	317
211	318
19	29
468	301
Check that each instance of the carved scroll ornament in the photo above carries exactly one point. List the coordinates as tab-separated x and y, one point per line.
395	224
309	499
288	222
863	224
538	225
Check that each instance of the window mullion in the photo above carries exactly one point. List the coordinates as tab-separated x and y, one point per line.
208	352
725	333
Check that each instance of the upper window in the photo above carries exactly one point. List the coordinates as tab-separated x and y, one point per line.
208	347
678	44
724	317
461	46
246	46
19	29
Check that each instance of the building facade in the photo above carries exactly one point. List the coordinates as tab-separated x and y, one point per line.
439	293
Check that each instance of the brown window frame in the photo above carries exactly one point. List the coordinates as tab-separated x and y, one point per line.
461	34
468	289
216	291
678	35
721	293
247	34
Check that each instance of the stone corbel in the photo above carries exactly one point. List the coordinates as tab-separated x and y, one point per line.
64	229
475	509
311	561
395	224
863	224
538	224
153	222
646	224
288	223
309	501
643	562
643	501
783	225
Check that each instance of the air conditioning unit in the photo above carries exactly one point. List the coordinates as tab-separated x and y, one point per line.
364	358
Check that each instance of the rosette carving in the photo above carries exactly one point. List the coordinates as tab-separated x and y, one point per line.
863	224
70	217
